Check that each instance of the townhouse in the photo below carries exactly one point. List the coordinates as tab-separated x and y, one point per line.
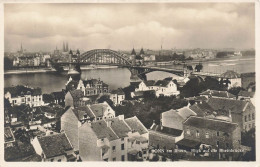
114	139
19	94
73	118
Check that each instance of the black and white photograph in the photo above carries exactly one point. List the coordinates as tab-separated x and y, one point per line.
129	81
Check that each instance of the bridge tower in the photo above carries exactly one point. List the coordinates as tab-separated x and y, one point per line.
133	55
73	73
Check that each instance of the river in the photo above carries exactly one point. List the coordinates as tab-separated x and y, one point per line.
120	77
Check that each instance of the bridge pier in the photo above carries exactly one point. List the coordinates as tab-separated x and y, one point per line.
137	75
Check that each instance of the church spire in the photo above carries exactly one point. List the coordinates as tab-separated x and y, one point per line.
133	52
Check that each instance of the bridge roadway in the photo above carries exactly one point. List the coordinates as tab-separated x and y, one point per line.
147	69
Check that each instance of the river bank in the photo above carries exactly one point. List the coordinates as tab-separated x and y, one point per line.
51	70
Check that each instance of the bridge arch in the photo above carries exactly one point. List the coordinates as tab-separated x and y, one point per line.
104	56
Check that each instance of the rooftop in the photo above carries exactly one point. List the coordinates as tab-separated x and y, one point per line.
218	93
103	131
166	130
20	90
236	106
230	74
55	145
246	94
212	124
136	125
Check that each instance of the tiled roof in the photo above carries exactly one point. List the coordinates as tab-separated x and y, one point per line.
9	136
103	131
55	145
201	109
76	94
218	93
99	109
236	106
212	124
198	98
166	130
20	90
246	94
81	111
136	125
185	112
162	83
149	82
119	127
172	119
118	91
138	57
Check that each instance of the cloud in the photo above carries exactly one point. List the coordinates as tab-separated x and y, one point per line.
122	26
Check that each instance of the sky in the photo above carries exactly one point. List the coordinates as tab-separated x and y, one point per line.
42	27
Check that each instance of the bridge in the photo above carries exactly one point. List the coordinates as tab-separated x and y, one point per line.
114	58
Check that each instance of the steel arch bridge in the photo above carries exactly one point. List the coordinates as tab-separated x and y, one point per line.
104	56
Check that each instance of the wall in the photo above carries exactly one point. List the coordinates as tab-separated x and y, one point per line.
70	124
88	149
69	100
213	138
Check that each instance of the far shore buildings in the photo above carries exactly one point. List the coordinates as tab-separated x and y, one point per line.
18	95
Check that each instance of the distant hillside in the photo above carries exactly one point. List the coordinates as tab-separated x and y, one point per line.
248	53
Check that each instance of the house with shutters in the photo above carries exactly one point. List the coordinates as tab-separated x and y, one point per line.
74	118
18	95
117	96
161	87
114	139
211	134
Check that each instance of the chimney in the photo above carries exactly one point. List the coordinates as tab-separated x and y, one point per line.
121	117
153	124
109	123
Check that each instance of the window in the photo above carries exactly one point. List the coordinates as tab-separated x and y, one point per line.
245	118
59	160
123	158
122	146
52	160
253	116
197	133
114	148
207	135
122	139
114	159
217	133
102	140
39	99
28	99
249	117
249	126
144	152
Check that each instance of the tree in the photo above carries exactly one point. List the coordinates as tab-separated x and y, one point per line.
8	63
248	139
48	98
105	98
198	67
235	90
7	104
